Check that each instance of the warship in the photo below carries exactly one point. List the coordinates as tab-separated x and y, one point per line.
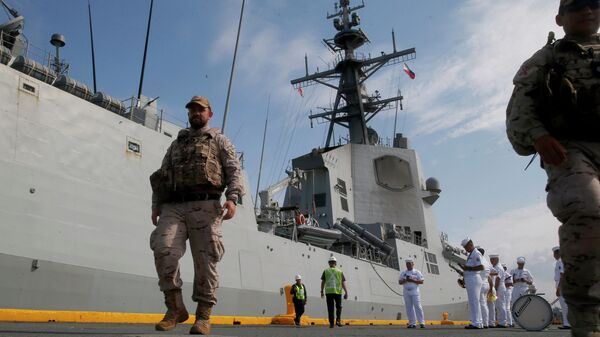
75	198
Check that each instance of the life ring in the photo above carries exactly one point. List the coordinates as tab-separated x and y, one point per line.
300	219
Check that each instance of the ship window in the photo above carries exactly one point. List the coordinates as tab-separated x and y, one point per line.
134	146
433	269
29	87
417	237
431	258
341	187
320	199
393	173
344	203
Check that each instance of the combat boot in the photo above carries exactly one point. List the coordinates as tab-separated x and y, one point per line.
202	324
176	312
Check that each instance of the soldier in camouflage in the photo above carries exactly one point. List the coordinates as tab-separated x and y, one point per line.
187	189
555	111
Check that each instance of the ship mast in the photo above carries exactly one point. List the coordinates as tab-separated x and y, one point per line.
353	107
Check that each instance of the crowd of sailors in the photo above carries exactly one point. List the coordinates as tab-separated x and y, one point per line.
491	289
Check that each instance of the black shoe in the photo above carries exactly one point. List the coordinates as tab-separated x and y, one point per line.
338	323
411	326
471	326
501	326
486	327
422	326
565	327
330	325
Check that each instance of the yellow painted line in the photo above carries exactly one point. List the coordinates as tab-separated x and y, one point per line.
21	315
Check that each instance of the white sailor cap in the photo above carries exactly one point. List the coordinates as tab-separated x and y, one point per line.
409	260
494	256
520	259
504	265
556	248
298	277
465	241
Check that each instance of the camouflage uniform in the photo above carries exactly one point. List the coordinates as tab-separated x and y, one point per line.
573	187
183	217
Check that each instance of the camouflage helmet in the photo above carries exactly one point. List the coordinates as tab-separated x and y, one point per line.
575	4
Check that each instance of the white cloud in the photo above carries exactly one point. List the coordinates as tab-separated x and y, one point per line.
468	91
530	231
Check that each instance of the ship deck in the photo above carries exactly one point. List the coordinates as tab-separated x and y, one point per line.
144	330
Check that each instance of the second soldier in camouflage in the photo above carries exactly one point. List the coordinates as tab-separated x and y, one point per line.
555	111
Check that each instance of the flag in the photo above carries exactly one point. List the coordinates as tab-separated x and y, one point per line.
301	92
409	72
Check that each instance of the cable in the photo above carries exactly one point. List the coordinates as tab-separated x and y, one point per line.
382	280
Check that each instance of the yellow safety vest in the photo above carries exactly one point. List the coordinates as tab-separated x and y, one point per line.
299	293
333	281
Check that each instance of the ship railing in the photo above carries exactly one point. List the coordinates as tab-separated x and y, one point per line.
20	46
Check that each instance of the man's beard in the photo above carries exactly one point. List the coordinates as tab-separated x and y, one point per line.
197	123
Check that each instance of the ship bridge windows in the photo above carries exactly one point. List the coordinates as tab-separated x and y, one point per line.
393	173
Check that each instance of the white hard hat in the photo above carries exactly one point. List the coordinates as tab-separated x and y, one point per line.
520	259
298	277
465	241
409	260
555	248
494	256
332	259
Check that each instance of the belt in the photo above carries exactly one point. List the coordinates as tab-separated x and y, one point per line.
185	197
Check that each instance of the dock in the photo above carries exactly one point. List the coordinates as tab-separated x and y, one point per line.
147	330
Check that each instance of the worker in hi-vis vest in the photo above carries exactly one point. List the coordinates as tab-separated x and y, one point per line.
298	292
332	283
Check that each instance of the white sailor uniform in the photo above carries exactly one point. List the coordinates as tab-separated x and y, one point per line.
559	268
473	284
520	277
412	297
485	288
500	304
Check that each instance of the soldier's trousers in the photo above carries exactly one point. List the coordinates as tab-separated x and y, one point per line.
574	198
200	222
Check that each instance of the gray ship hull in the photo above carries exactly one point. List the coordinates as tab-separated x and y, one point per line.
74	218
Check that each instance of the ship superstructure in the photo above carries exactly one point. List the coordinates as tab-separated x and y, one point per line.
75	202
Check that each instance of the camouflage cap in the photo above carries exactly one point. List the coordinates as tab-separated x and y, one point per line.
202	101
575	4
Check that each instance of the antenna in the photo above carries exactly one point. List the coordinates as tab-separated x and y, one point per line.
237	40
353	107
145	52
11	10
92	45
58	41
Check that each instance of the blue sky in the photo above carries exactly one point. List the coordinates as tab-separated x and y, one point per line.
467	53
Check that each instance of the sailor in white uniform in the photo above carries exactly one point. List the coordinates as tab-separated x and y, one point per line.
559	270
507	300
411	278
486	287
472	275
499	277
522	279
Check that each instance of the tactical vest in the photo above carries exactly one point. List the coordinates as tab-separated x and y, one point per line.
333	281
193	165
300	293
570	98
